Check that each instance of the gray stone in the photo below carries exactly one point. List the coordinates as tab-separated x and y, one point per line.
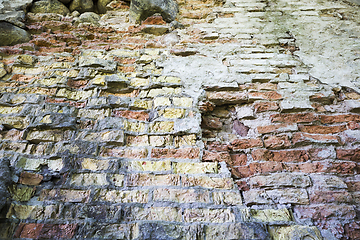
142	9
241	231
156	231
89	17
14	11
295	232
81	6
49	6
4	180
11	35
101	64
54	120
102	5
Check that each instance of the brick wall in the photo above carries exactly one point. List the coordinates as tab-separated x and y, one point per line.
108	138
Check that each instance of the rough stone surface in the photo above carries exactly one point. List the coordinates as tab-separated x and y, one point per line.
140	10
49	6
81	6
11	34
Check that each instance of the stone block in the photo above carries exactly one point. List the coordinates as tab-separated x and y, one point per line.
181	195
94	113
195	168
207	182
295	232
172	113
21	193
281	180
49	136
76	95
227	198
95	164
36	164
142	140
14	122
65	195
161	101
28	178
137	127
181	153
168	214
183	102
162	127
143	179
89	179
122	196
271	215
151	166
241	231
208	215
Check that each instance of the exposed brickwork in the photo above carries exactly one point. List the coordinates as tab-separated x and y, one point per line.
105	142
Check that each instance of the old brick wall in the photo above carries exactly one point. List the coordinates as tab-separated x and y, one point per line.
223	129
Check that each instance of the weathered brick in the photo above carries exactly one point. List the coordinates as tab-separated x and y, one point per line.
329	119
217	157
265	106
94	164
278	128
295	231
168	214
294	117
211	122
255	168
330	197
304	138
28	230
64	195
183	102
276	142
50	231
136	115
49	136
142	140
328	181
185	140
111	136
161	101
162	127
224	97
237	159
89	179
353	186
121	196
28	178
281	180
195	168
239	144
321	153
12	135
280	156
236	231
143	179
227	198
278	196
137	127
314	129
348	154
160	141
207	182
270	95
271	215
152	166
326	212
209	215
190	153
126	153
181	195
217	146
76	95
36	164
172	113
14	122
94	113
21	193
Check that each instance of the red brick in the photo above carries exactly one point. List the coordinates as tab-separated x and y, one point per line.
30	178
77	83
304	138
217	157
238	159
353	125
330	197
216	146
320	153
206	106
348	154
265	106
352	230
321	98
276	142
136	115
280	156
57	231
294	117
211	122
327	167
126	153
256	168
277	128
190	153
328	211
328	119
270	95
322	129
30	230
238	144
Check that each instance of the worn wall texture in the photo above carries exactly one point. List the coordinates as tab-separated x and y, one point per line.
241	124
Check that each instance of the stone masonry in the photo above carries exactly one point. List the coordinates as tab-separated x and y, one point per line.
240	120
